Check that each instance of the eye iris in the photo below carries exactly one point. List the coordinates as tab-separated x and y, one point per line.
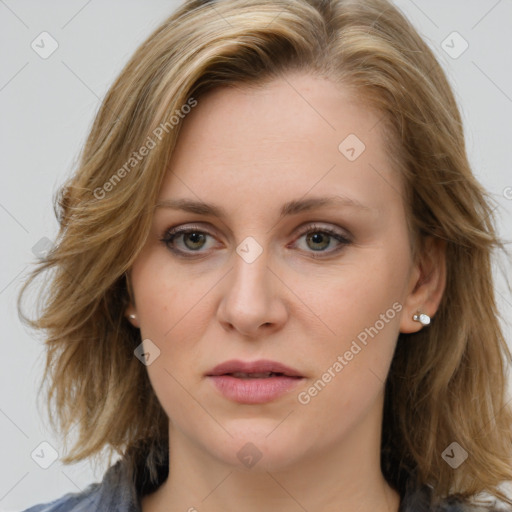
195	238
318	238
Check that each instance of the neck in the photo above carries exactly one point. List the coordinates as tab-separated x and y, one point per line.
344	477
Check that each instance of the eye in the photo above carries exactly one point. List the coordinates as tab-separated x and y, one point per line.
322	239
186	240
191	241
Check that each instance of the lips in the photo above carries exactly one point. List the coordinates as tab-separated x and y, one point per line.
262	368
254	382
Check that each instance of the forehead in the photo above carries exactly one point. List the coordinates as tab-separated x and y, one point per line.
295	135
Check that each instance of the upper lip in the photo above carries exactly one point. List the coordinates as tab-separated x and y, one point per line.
260	366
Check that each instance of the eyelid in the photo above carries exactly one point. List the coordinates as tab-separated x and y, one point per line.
185	228
304	228
316	226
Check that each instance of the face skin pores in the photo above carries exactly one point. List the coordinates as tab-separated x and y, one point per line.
270	274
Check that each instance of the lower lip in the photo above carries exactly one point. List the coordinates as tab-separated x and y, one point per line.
253	391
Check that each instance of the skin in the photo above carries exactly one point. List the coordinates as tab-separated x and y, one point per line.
249	151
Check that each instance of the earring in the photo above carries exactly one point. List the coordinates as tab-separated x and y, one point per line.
132	316
423	318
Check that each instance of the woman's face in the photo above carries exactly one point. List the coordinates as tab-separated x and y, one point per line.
301	258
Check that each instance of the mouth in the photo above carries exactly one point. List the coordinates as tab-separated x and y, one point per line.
261	369
255	382
266	375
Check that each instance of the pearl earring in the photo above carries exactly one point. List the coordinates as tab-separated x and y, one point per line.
423	318
133	317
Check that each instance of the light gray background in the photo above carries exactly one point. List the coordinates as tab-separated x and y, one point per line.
48	106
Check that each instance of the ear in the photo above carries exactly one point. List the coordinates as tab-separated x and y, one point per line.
426	284
131	311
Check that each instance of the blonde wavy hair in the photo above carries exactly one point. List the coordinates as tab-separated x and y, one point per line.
446	383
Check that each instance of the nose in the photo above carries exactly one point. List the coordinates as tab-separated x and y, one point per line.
252	302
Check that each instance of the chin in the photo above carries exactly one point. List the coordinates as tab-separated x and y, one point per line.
257	450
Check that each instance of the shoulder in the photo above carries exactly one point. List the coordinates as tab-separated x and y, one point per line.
419	499
71	502
116	492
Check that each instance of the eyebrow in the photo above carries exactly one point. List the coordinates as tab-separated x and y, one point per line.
290	208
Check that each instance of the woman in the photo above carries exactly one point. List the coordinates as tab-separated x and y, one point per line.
272	284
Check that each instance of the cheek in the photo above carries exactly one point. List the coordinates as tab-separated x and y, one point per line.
361	304
167	297
353	296
172	311
173	316
352	365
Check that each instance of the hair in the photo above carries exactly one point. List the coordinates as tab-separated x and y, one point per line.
446	383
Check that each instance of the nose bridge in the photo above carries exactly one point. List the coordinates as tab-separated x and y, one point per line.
250	297
249	278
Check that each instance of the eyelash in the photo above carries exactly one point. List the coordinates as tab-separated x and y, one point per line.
172	233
